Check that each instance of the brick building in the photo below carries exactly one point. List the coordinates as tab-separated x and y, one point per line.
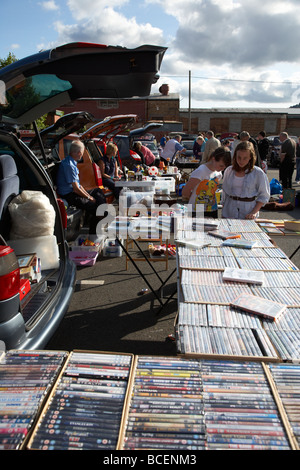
165	108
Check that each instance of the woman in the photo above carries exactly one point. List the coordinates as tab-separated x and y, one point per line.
203	183
245	186
109	169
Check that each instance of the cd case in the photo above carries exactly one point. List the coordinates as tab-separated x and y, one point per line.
259	306
224	234
243	275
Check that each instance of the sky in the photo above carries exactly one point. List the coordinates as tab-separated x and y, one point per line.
227	53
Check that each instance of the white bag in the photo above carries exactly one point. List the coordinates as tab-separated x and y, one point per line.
32	215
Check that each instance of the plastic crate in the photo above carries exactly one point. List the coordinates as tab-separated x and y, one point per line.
81	239
83	258
112	249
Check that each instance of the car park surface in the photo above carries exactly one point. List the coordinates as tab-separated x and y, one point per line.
34	86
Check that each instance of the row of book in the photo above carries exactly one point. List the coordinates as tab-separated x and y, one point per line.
99	400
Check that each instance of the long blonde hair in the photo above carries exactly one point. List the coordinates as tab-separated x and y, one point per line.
246	145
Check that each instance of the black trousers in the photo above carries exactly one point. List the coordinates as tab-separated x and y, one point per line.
286	173
90	207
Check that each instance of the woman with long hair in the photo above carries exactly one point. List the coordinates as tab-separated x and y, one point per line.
245	186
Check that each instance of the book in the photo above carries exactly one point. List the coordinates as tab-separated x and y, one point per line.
293	225
224	234
259	306
272	230
27	260
243	275
240	243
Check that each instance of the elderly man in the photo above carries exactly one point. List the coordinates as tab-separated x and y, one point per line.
210	146
171	148
287	159
70	189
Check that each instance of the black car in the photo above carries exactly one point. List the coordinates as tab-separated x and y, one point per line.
34	86
128	156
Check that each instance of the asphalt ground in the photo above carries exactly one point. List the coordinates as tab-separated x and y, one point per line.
108	312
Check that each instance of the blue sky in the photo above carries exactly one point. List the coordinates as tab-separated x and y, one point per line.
241	53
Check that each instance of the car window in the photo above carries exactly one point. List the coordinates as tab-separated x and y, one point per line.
28	178
21	97
188	145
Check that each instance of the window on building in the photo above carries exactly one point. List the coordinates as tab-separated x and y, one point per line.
107	104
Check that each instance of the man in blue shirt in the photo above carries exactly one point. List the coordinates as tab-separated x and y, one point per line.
70	189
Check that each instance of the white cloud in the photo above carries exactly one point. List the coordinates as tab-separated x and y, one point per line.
245	47
49	5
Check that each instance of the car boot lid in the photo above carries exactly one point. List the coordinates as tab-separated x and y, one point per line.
38	84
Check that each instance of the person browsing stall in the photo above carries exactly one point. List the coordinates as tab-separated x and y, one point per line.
109	169
147	155
245	186
203	183
171	148
70	189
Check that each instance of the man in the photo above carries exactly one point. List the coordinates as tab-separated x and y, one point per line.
171	148
70	189
210	146
263	145
287	159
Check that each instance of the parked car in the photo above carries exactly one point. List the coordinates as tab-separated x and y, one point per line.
188	145
273	157
34	86
129	157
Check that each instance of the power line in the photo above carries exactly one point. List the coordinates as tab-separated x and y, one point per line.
234	80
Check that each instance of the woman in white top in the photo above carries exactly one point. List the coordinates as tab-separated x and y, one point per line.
245	186
203	183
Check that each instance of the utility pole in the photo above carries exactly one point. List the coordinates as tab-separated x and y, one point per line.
190	116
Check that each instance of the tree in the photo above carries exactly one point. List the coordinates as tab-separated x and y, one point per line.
9	60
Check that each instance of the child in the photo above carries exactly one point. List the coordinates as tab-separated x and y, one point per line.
245	186
203	183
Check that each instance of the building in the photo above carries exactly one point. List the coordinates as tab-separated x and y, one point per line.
165	107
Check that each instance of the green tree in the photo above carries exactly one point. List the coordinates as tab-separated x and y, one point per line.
9	60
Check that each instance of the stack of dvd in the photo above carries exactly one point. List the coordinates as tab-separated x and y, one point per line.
25	379
242	342
166	409
240	410
287	380
86	409
285	334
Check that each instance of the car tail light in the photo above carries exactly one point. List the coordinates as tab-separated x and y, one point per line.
135	155
97	174
9	273
63	212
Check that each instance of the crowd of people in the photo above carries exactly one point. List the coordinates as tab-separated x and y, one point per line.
240	163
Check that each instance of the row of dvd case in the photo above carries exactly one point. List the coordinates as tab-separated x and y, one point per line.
104	400
218	328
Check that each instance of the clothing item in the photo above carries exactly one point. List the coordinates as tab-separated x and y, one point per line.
68	173
148	155
170	149
255	187
204	193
